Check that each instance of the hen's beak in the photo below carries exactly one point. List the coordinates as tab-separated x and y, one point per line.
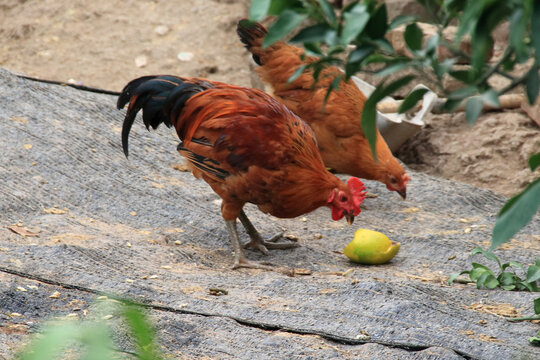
403	193
350	218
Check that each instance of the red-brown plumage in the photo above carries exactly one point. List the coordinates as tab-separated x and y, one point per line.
245	145
337	125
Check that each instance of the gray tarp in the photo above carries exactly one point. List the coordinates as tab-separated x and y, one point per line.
142	229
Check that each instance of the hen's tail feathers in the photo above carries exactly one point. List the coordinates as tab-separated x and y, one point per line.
161	99
252	35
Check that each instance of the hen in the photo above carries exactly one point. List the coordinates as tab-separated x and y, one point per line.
337	125
247	147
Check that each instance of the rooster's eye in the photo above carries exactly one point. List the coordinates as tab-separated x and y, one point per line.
344	198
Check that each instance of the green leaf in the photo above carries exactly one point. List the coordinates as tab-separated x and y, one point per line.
516	213
480	266
410	101
400	20
287	22
389	70
507	278
537	305
508	287
142	331
491	282
487	254
315	33
355	22
466	76
486	279
369	115
463	93
534	161
296	74
313	49
473	109
258	9
491	98
360	53
278	6
533	273
378	23
477	273
54	338
535	30
413	37
517	33
98	342
333	86
454	276
328	11
515	264
533	84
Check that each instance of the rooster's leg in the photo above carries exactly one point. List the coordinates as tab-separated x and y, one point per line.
240	260
257	241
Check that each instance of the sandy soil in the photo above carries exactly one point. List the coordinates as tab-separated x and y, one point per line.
106	43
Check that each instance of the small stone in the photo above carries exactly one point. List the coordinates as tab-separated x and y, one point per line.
177	242
185	56
161	30
55	295
141	61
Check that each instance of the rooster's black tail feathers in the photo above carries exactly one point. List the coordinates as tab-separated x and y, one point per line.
161	99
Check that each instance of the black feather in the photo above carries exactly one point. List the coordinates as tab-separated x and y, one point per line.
156	96
249	32
207	165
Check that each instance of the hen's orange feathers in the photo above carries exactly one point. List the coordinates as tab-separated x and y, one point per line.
337	125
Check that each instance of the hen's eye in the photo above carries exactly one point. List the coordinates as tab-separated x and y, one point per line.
344	199
393	180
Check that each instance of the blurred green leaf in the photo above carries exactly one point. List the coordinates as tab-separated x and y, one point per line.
537	305
287	22
413	37
369	115
491	97
487	254
98	342
328	11
355	22
463	93
296	74
142	331
378	23
516	213
473	109
410	101
278	6
401	20
535	30
314	33
258	9
533	273
54	338
533	84
334	85
534	161
453	277
517	33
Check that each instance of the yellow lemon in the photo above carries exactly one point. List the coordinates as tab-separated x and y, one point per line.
371	247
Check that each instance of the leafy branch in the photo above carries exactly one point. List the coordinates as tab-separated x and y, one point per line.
507	278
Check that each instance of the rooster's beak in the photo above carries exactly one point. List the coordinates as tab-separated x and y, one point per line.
350	218
403	193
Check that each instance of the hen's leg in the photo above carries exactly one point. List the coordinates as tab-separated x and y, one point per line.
257	241
240	260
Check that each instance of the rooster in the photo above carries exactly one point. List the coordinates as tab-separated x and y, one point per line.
248	147
337	125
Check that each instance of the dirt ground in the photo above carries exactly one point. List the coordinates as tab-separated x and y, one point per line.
105	44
